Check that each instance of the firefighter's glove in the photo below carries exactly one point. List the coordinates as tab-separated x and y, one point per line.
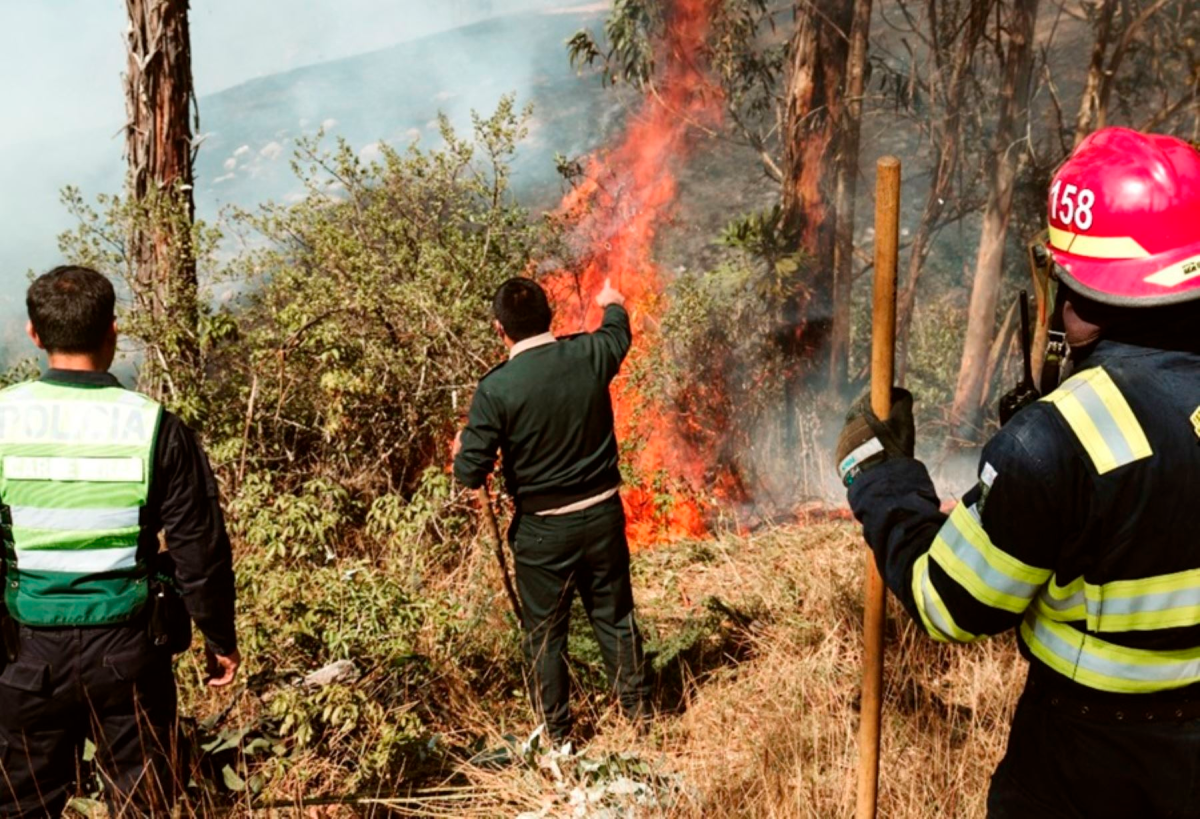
867	441
1017	399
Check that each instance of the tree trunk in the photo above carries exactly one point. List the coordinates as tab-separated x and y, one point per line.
1132	26
966	412
949	86
846	190
159	100
813	109
1090	102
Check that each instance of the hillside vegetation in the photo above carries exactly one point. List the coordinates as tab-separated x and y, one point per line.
382	672
340	335
755	641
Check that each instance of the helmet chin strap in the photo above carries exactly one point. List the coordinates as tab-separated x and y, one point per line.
1057	364
1057	351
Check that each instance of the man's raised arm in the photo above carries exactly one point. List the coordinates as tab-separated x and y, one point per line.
612	339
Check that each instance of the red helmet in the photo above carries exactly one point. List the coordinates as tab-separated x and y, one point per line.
1125	219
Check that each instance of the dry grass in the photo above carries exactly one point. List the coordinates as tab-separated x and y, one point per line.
773	733
758	644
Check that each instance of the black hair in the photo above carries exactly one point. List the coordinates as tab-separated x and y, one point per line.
72	309
521	307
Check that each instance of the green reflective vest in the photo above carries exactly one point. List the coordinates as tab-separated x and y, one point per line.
75	467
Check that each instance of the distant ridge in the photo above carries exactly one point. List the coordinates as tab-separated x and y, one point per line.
392	94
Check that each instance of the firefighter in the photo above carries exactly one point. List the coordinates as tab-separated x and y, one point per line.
90	474
547	410
1079	533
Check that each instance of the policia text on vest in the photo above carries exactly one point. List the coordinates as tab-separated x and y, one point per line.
75	475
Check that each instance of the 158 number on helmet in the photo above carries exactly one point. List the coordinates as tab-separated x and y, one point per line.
1073	207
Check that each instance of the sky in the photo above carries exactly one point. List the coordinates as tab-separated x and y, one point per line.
62	106
62	60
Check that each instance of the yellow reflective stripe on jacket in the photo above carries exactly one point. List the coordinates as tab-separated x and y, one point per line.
936	618
997	579
1101	419
1066	604
1102	665
1146	604
1165	601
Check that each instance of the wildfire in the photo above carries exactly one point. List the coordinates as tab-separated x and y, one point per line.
626	193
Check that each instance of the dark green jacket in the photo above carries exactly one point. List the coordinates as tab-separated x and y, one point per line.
548	413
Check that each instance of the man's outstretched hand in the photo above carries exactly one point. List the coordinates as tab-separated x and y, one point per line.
221	669
609	295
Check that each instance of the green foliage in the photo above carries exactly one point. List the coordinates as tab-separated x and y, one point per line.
423	531
169	329
306	523
367	314
630	29
26	370
767	236
364	726
361	322
720	358
351	329
735	46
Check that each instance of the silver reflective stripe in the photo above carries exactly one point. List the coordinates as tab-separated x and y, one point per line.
78	561
1106	425
88	470
1137	604
1078	598
75	520
1162	601
965	551
931	609
1078	655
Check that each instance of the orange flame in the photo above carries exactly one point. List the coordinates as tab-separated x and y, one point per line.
627	192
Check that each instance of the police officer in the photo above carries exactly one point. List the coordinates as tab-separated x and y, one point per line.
90	475
1080	532
547	410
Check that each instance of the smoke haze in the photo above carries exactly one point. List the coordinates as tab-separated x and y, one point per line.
266	72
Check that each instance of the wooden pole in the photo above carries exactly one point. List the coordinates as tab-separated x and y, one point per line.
883	362
493	533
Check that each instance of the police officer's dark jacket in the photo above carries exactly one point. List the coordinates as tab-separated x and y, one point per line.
1081	531
549	414
183	501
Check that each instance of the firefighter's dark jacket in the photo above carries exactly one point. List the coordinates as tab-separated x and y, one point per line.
548	413
1083	531
184	502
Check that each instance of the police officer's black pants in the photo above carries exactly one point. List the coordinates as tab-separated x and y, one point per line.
557	555
1060	764
106	684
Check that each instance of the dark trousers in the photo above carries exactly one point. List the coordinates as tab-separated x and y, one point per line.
1060	764
107	684
557	555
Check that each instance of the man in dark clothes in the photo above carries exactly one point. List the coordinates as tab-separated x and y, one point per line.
548	412
1078	533
90	474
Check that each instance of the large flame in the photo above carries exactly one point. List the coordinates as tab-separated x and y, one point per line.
626	193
